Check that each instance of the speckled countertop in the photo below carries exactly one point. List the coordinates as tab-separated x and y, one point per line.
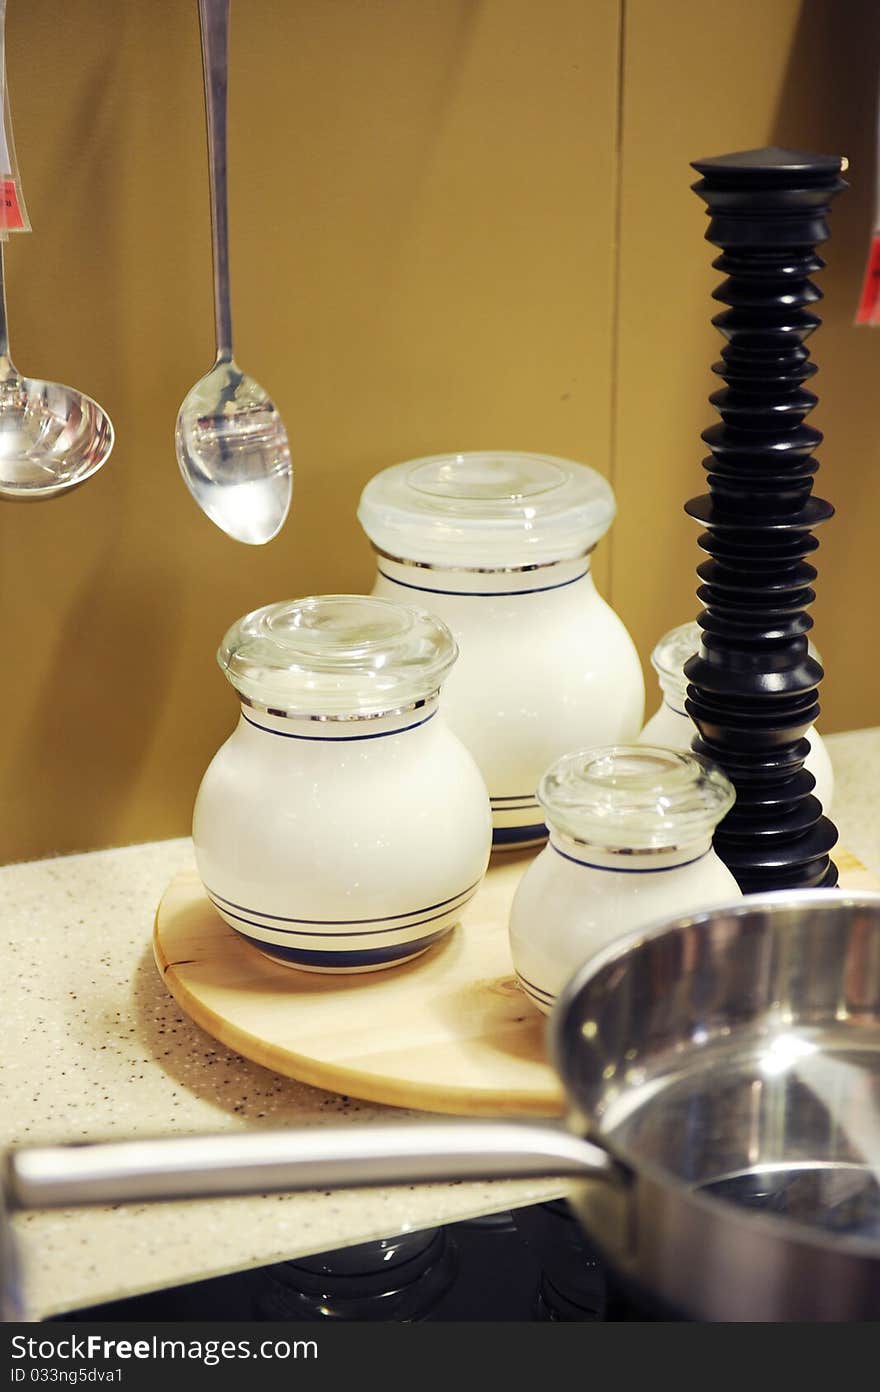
93	1046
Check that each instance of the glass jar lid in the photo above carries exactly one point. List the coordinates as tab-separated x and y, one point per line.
337	656
678	646
487	510
675	649
635	797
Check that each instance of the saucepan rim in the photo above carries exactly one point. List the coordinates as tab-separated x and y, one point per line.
558	1027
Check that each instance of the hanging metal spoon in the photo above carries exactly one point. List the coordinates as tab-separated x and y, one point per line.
231	443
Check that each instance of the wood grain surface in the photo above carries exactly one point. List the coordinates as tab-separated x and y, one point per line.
448	1032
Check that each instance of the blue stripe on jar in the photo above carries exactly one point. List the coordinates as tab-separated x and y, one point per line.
336	739
315	932
630	869
225	904
535	990
535	993
483	594
367	957
512	836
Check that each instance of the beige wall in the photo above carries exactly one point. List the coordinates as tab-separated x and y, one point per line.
427	204
701	77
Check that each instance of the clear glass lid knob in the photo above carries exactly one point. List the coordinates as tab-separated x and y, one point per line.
635	797
487	508
337	656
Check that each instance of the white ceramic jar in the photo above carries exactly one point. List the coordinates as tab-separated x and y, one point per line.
498	546
671	726
342	827
630	844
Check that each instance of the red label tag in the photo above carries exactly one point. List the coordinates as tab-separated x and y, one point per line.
869	305
11	219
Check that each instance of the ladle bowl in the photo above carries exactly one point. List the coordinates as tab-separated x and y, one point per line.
52	438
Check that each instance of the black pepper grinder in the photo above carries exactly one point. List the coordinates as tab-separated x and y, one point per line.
753	687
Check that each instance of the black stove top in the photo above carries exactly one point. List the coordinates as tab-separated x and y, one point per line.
530	1264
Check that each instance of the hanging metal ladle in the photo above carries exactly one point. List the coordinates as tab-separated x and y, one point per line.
52	437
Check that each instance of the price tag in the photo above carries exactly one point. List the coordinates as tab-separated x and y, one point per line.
868	311
11	217
13	213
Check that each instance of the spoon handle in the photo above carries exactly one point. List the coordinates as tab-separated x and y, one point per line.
214	27
4	328
4	331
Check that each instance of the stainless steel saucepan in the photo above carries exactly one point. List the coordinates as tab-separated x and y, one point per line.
723	1078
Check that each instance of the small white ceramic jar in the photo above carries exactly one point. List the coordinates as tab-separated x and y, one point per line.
630	844
498	546
671	726
342	827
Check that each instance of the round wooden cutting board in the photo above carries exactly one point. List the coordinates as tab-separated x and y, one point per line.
448	1032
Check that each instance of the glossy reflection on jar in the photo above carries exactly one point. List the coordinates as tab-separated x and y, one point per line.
671	726
630	844
342	827
498	544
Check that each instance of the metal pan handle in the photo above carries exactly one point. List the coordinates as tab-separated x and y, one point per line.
184	1167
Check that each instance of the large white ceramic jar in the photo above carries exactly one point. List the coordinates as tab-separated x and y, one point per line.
498	546
670	725
342	827
630	843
